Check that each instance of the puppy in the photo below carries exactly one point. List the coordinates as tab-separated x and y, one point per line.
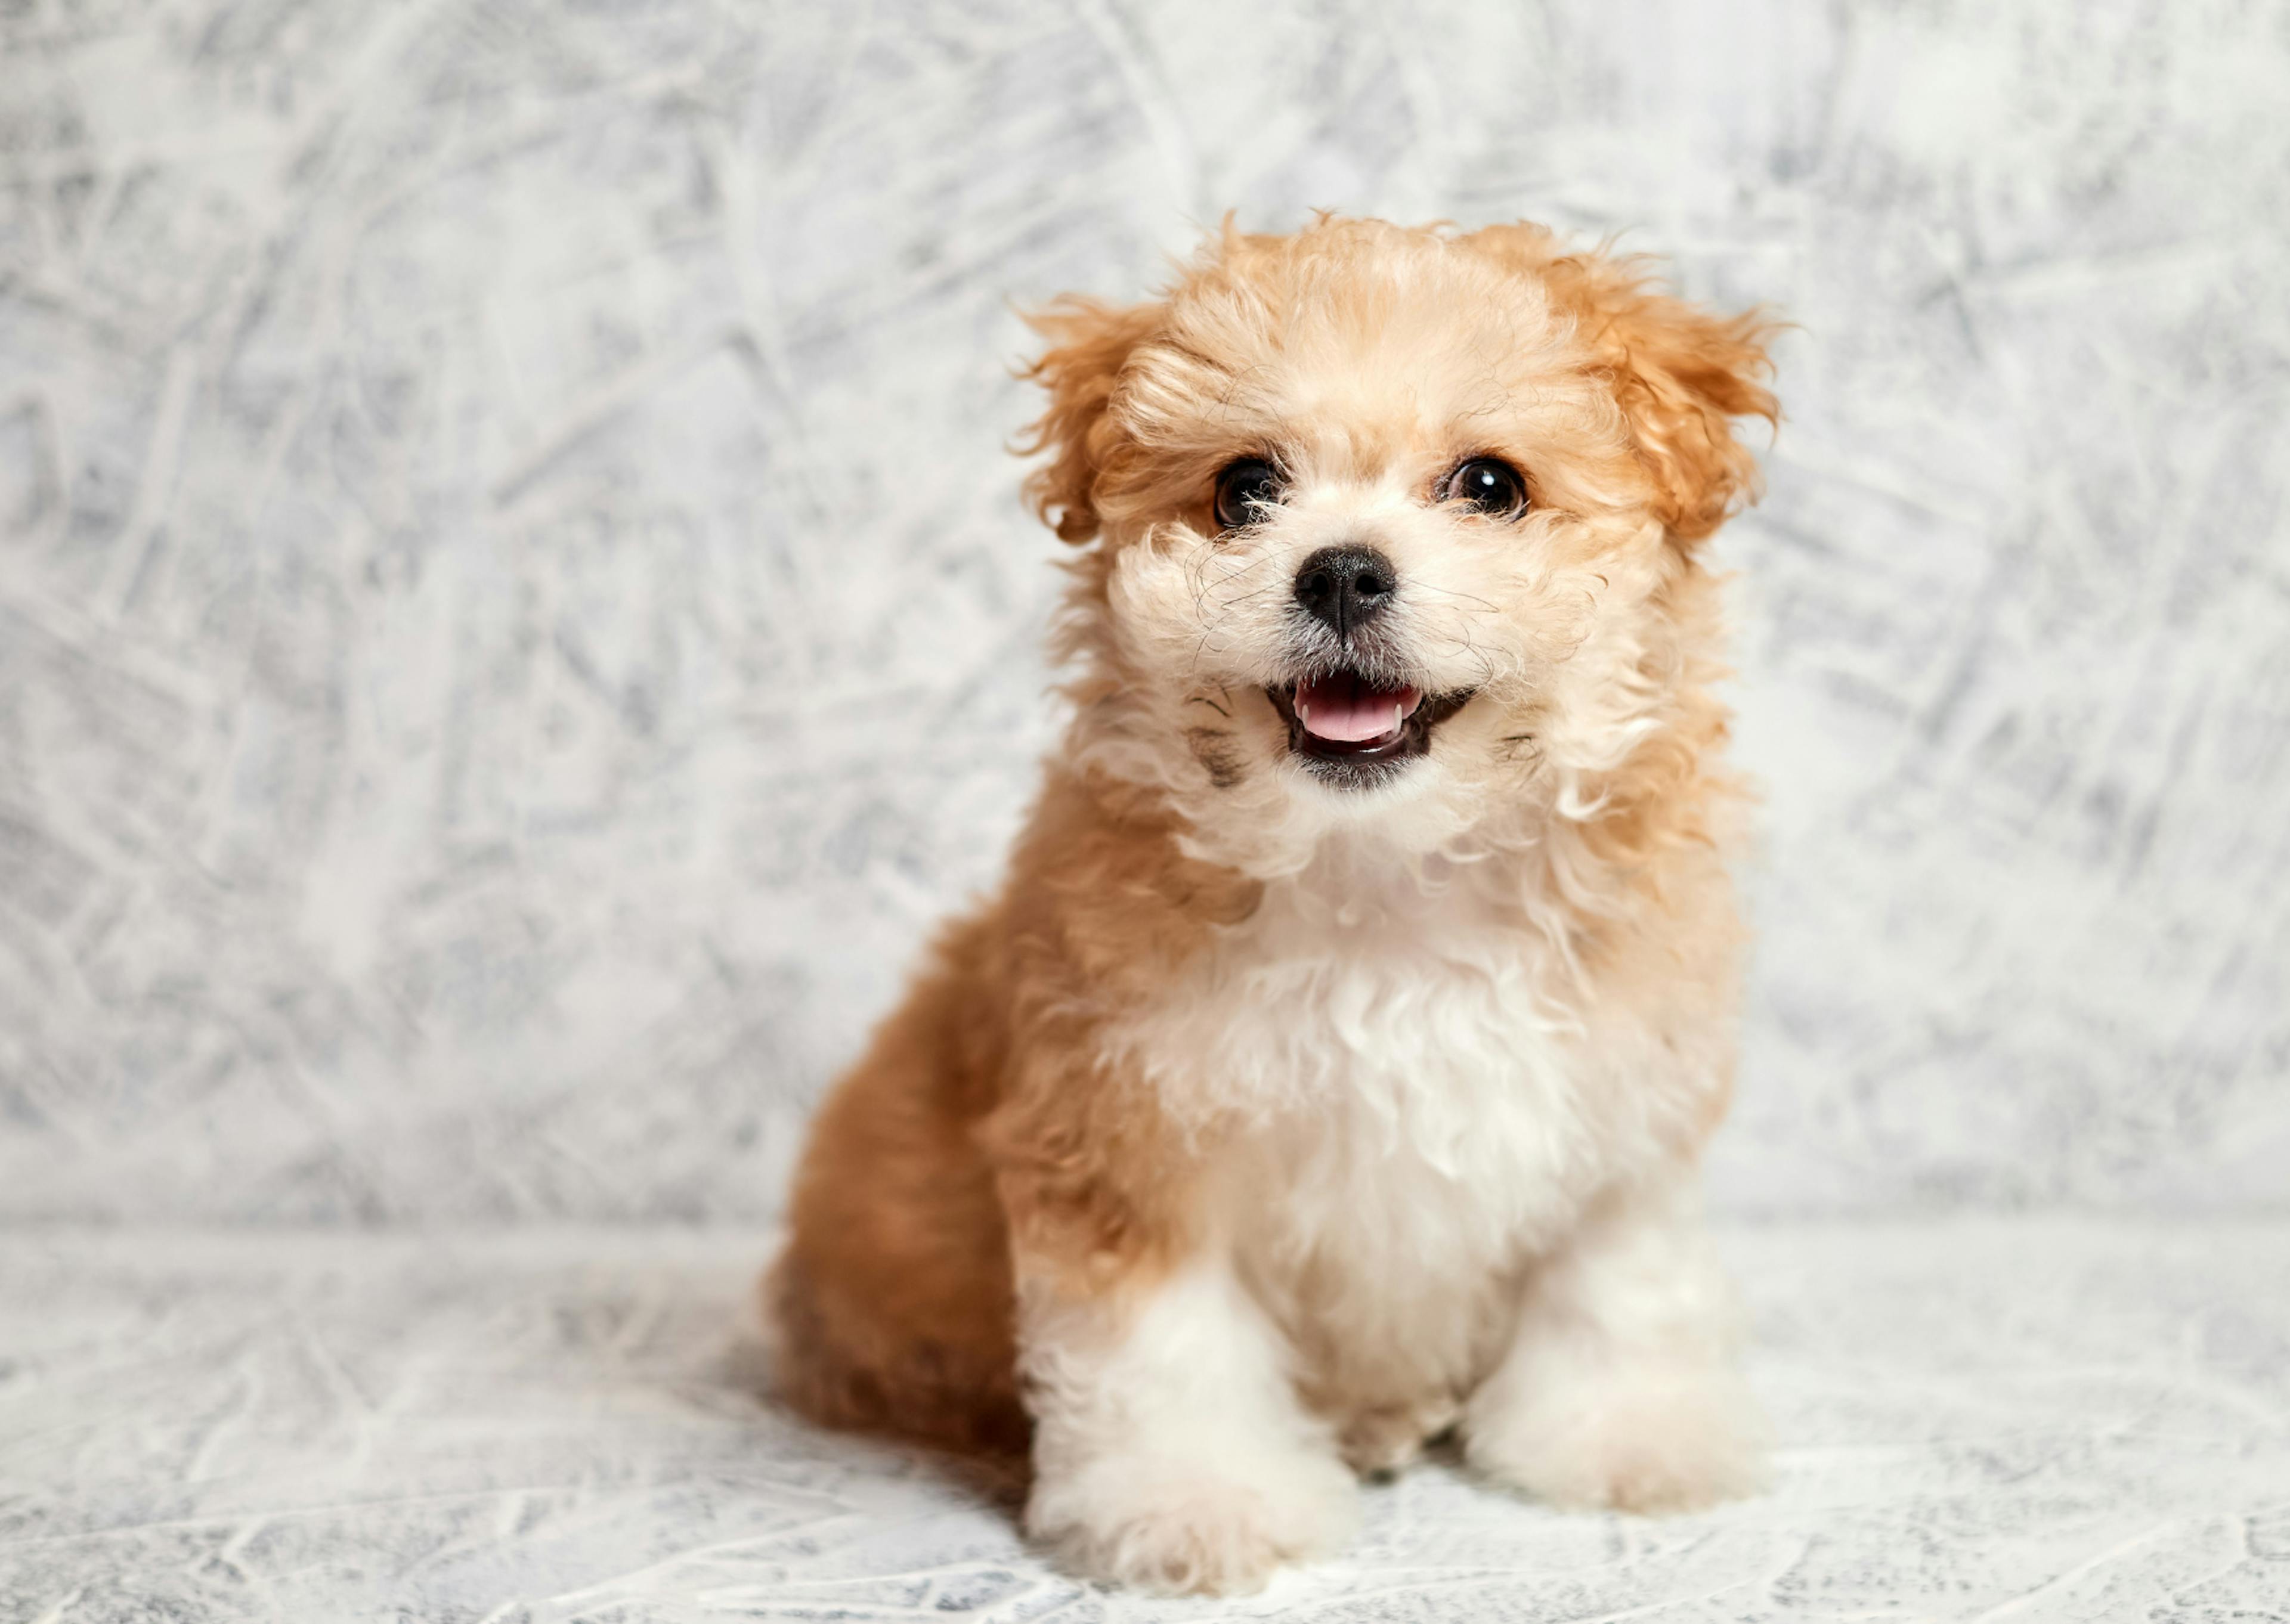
1332	1072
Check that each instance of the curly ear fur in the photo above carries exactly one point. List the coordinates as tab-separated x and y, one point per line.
1681	373
1090	343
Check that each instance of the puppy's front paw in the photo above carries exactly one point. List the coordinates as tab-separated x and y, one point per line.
1653	1438
1180	1525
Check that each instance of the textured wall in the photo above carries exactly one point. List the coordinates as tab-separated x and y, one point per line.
514	615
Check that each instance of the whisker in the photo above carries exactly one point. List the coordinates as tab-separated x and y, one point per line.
1425	585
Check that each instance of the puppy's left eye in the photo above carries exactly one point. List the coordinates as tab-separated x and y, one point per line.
1490	485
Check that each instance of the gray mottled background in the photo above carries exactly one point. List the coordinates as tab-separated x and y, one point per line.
514	613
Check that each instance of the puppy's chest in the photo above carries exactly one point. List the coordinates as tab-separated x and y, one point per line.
1396	1091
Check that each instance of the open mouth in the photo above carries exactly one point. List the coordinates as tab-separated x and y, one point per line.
1354	730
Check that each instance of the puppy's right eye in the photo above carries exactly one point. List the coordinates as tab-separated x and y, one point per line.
1243	490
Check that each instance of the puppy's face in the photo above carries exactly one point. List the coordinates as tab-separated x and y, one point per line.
1390	525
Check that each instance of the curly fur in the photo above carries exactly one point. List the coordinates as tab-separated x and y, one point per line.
1259	1128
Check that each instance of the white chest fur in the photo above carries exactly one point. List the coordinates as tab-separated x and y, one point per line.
1392	1088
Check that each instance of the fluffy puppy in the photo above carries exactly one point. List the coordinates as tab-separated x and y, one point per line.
1332	1072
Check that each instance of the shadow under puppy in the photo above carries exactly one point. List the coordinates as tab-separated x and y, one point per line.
1333	1070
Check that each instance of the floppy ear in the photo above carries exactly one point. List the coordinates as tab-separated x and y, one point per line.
1090	344
1681	373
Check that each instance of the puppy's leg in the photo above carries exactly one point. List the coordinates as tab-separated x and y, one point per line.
1171	1451
1621	1386
891	1308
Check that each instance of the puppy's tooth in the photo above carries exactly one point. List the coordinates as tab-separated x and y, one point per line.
1398	716
1304	714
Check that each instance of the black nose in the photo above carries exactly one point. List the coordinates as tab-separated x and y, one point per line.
1346	587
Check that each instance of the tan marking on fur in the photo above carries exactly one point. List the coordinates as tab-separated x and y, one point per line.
981	1123
1680	373
1213	748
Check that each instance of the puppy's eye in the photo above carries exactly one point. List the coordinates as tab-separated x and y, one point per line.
1243	490
1490	485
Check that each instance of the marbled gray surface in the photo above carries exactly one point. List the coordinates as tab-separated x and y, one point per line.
515	615
1977	1421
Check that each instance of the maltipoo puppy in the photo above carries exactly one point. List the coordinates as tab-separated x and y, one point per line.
1332	1072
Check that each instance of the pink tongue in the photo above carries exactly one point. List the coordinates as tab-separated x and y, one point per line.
1346	709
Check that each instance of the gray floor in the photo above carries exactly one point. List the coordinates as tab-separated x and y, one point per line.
2034	1420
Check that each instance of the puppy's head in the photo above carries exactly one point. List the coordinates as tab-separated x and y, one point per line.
1388	528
